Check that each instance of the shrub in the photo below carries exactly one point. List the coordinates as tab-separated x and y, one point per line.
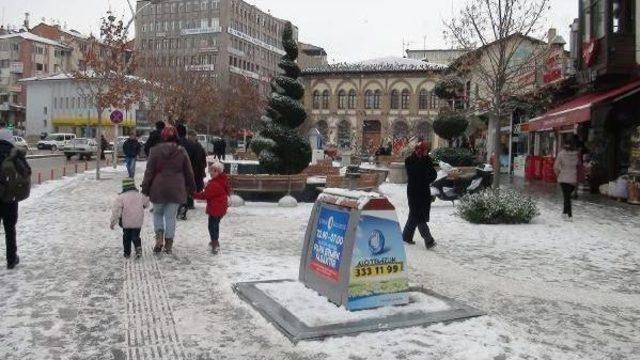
449	126
498	207
449	88
454	157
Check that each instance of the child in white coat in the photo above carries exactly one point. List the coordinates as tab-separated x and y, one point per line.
128	210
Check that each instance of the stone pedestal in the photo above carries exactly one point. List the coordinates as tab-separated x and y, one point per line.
397	173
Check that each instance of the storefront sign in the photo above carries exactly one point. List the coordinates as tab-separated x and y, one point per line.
634	154
326	251
204	30
254	41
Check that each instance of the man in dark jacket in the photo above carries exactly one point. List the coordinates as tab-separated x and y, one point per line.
192	148
198	163
131	149
154	137
8	211
421	174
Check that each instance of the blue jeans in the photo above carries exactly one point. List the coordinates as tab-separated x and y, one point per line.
214	228
164	218
130	163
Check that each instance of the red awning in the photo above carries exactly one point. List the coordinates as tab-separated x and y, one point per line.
577	110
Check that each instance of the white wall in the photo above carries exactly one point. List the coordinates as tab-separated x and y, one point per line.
38	97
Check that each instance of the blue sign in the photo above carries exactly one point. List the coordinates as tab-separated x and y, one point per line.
327	246
378	266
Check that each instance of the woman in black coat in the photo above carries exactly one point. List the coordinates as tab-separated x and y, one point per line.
421	174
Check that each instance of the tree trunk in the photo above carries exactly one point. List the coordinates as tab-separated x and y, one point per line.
99	141
493	148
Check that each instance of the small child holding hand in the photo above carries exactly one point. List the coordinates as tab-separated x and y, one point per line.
128	210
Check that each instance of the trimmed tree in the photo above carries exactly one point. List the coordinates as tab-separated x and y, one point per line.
450	126
280	149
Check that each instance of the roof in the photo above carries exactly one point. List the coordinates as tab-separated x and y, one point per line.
32	37
377	65
311	49
482	48
67	76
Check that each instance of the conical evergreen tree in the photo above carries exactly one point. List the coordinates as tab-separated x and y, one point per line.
281	150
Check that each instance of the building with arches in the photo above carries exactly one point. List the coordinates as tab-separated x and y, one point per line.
371	103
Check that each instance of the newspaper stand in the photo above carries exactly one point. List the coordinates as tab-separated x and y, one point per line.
353	252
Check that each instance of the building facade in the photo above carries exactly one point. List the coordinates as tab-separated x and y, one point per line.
23	55
76	42
223	38
56	104
365	105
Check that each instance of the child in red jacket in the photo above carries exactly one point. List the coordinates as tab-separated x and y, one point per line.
216	193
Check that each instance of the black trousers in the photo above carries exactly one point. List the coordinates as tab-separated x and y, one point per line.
214	228
9	217
410	229
567	191
130	236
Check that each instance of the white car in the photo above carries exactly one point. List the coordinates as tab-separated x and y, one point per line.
55	141
21	143
82	147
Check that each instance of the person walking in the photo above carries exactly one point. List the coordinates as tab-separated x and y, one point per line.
198	164
566	169
223	148
131	148
167	180
128	211
216	195
104	144
15	185
155	137
421	174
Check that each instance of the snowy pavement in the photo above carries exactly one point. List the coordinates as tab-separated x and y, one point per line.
552	290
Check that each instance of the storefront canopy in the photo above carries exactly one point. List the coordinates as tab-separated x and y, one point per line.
578	110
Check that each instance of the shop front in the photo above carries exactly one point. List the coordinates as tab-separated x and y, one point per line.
600	123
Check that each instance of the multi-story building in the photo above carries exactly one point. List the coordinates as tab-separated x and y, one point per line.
23	55
436	56
77	42
370	103
225	38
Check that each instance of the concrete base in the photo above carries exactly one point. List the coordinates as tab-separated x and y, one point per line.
397	173
295	330
288	202
236	201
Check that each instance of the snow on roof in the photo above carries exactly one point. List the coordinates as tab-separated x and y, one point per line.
383	64
67	76
33	37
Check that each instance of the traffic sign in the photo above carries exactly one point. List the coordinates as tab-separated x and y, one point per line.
116	117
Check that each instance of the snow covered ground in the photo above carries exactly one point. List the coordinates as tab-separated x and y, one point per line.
553	290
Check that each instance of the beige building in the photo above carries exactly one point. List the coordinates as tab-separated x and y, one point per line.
225	38
364	105
311	56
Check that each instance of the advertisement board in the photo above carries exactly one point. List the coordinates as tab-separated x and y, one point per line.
327	247
378	275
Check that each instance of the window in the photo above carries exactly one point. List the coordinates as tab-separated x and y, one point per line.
344	134
39	67
44	110
342	99
325	99
351	102
323	128
400	130
395	99
423	99
368	99
377	95
434	103
405	99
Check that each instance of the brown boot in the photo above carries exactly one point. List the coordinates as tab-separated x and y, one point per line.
159	241
168	245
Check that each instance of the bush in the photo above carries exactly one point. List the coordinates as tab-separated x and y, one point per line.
453	156
449	88
498	207
450	126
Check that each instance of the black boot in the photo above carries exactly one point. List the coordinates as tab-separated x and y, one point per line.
429	243
11	264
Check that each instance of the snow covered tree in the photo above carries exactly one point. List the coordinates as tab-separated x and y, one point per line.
280	149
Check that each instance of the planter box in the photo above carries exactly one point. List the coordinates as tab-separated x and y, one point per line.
268	183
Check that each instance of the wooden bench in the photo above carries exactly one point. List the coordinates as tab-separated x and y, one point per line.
322	168
268	183
365	182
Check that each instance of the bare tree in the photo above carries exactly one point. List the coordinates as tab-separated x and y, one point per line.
499	35
105	79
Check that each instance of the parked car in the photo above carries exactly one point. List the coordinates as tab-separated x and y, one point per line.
82	147
21	143
55	141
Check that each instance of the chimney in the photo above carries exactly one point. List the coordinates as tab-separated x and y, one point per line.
551	35
26	21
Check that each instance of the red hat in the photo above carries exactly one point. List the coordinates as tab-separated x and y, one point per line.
422	149
169	133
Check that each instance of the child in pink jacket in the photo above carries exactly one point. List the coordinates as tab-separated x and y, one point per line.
128	210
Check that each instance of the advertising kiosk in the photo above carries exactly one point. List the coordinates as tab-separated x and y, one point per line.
353	252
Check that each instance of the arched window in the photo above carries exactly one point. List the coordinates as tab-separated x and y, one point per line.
368	99
423	100
424	131
323	128
316	99
325	99
376	99
344	134
434	101
395	99
342	99
406	97
400	130
351	102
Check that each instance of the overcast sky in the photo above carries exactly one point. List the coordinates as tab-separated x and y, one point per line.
349	30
